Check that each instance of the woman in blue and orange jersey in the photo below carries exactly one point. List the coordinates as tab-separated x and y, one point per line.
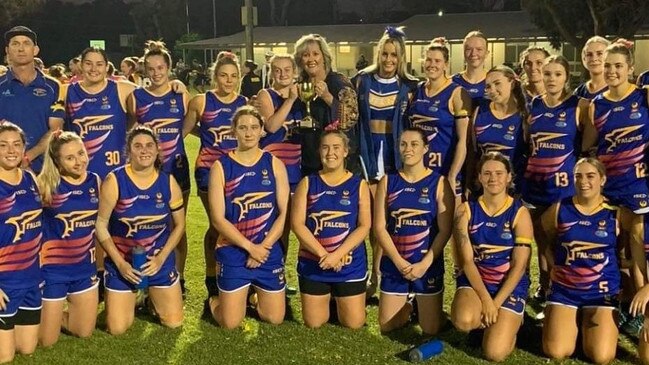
618	126
553	131
472	79
384	89
70	195
213	112
163	110
413	218
331	217
441	108
282	111
20	241
493	235
592	57
531	59
141	205
248	197
96	111
584	232
497	125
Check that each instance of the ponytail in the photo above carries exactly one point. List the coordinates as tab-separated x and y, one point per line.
50	177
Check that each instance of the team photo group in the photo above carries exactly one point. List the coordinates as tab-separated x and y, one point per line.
379	177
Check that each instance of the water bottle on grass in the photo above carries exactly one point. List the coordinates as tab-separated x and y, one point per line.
426	351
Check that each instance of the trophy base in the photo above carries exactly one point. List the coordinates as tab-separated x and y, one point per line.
308	124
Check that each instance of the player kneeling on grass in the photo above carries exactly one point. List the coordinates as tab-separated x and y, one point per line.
248	196
140	205
413	218
20	240
585	276
493	235
331	218
70	200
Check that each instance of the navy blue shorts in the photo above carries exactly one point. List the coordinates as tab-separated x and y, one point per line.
396	284
269	278
53	291
22	309
560	295
638	203
165	278
514	303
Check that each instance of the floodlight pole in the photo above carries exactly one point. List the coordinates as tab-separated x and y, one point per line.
249	26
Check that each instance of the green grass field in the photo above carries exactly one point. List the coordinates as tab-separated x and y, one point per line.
199	341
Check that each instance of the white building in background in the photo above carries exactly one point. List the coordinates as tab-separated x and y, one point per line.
508	33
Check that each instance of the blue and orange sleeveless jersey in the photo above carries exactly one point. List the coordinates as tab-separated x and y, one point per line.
250	205
382	99
433	115
493	240
505	135
68	251
476	91
215	129
583	92
100	120
285	142
142	217
21	233
585	258
412	218
623	128
554	135
164	114
331	215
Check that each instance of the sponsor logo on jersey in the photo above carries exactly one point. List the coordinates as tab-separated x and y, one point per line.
249	202
142	222
579	250
621	136
404	217
324	219
26	221
76	219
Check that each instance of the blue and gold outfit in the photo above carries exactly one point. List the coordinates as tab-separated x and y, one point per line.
623	136
20	243
164	114
68	252
251	206
100	120
142	217
493	240
412	225
586	271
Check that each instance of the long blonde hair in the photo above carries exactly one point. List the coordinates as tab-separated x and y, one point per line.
50	177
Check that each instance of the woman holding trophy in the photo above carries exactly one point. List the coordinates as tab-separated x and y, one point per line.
334	105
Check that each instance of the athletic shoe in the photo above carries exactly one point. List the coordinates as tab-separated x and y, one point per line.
632	325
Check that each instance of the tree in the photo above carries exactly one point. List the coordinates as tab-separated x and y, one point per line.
12	9
574	21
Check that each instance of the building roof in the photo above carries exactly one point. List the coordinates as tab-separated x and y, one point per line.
512	25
